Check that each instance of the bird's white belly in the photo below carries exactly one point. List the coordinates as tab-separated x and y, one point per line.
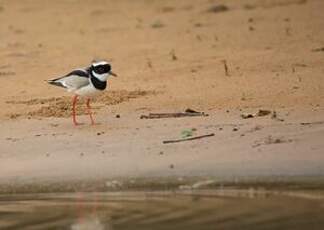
88	90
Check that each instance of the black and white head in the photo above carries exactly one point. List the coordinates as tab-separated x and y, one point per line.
101	70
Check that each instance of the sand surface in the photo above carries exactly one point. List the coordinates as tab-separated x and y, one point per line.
225	58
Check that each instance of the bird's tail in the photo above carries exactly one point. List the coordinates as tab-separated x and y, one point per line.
55	82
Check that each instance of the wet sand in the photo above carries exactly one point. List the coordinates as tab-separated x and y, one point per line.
259	149
170	56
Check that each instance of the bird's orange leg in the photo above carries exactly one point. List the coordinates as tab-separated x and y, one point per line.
89	111
75	99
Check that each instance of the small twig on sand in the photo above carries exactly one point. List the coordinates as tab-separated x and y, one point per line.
318	49
187	113
225	67
173	55
312	123
188	139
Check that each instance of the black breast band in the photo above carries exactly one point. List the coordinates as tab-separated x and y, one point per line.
100	85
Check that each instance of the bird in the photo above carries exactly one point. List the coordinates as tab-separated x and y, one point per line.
85	82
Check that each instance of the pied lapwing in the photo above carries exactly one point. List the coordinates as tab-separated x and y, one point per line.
86	82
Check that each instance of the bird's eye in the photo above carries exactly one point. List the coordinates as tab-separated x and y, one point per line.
102	69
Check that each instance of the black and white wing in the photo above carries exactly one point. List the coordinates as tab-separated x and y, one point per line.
72	81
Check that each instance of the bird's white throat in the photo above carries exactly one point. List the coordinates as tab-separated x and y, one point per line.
101	77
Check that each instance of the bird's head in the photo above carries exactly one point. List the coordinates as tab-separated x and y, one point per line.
101	70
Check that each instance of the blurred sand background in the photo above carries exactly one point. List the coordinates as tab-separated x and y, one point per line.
170	56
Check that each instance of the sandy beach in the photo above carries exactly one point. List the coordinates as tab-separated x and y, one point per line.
227	59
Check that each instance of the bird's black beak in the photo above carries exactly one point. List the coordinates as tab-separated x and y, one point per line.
113	74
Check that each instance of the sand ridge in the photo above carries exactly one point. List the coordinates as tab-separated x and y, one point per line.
62	106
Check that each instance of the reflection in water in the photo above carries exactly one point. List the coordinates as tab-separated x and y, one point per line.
89	223
161	210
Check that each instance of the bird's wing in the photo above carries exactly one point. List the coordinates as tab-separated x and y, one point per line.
76	79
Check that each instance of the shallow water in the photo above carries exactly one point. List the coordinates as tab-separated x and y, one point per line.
162	210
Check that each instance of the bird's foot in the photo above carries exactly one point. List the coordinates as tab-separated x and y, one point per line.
92	120
76	123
